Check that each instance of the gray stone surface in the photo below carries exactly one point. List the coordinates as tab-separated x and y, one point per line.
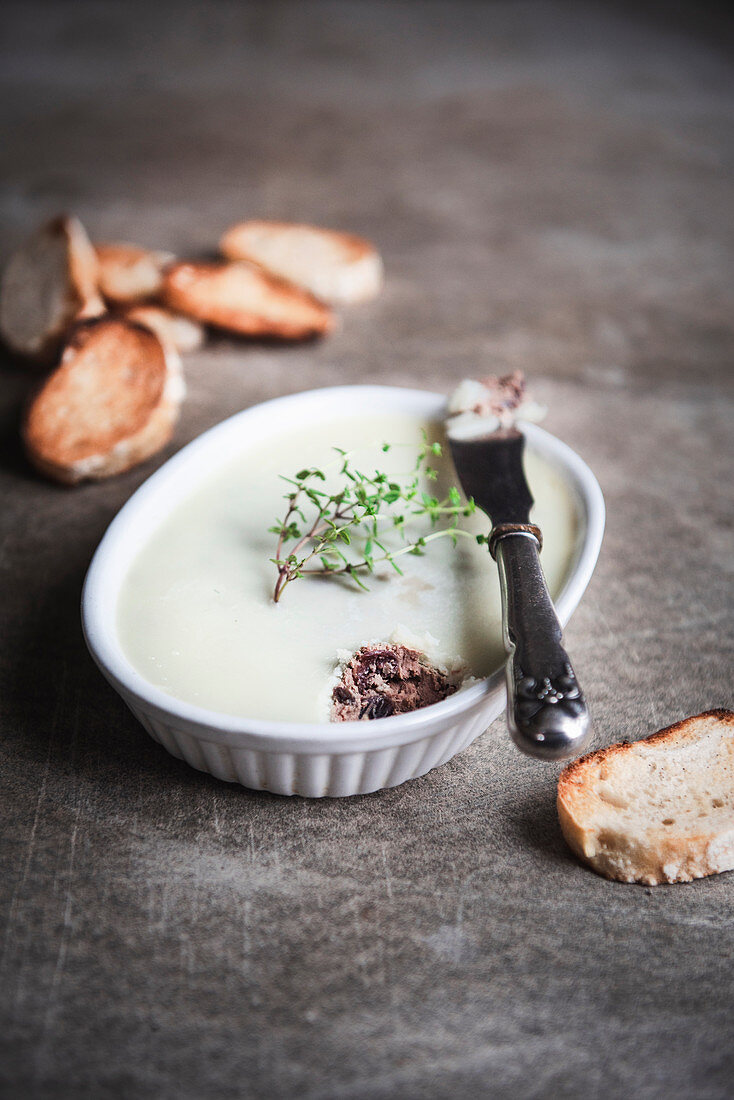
551	187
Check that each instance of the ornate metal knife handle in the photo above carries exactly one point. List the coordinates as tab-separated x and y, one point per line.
546	711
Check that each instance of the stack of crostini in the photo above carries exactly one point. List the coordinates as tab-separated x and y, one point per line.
110	320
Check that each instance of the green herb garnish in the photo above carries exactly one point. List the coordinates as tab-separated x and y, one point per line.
332	534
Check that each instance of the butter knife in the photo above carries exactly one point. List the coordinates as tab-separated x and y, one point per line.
546	711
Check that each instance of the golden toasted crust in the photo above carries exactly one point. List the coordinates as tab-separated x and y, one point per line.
112	402
47	285
241	298
129	274
656	810
335	266
574	771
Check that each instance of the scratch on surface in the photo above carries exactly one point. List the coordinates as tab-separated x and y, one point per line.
462	899
164	900
617	638
388	879
66	930
15	899
449	941
246	938
359	956
68	900
186	955
603	619
276	861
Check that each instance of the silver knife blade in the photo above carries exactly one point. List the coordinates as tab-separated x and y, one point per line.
546	711
490	470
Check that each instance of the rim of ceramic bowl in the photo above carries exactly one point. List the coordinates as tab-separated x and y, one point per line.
137	519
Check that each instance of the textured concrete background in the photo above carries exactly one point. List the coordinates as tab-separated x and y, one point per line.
551	187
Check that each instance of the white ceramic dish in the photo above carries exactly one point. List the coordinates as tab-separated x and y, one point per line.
310	759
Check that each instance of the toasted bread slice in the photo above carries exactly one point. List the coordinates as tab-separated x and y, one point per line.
657	810
130	274
336	267
241	298
47	285
182	332
111	403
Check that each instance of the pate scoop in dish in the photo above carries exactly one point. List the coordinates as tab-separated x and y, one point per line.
196	615
178	608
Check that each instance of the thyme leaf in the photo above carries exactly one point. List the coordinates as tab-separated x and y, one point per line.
316	520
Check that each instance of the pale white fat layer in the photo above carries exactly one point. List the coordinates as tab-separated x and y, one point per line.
466	423
195	613
471	425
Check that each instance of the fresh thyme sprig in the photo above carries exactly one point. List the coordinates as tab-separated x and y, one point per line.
321	526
